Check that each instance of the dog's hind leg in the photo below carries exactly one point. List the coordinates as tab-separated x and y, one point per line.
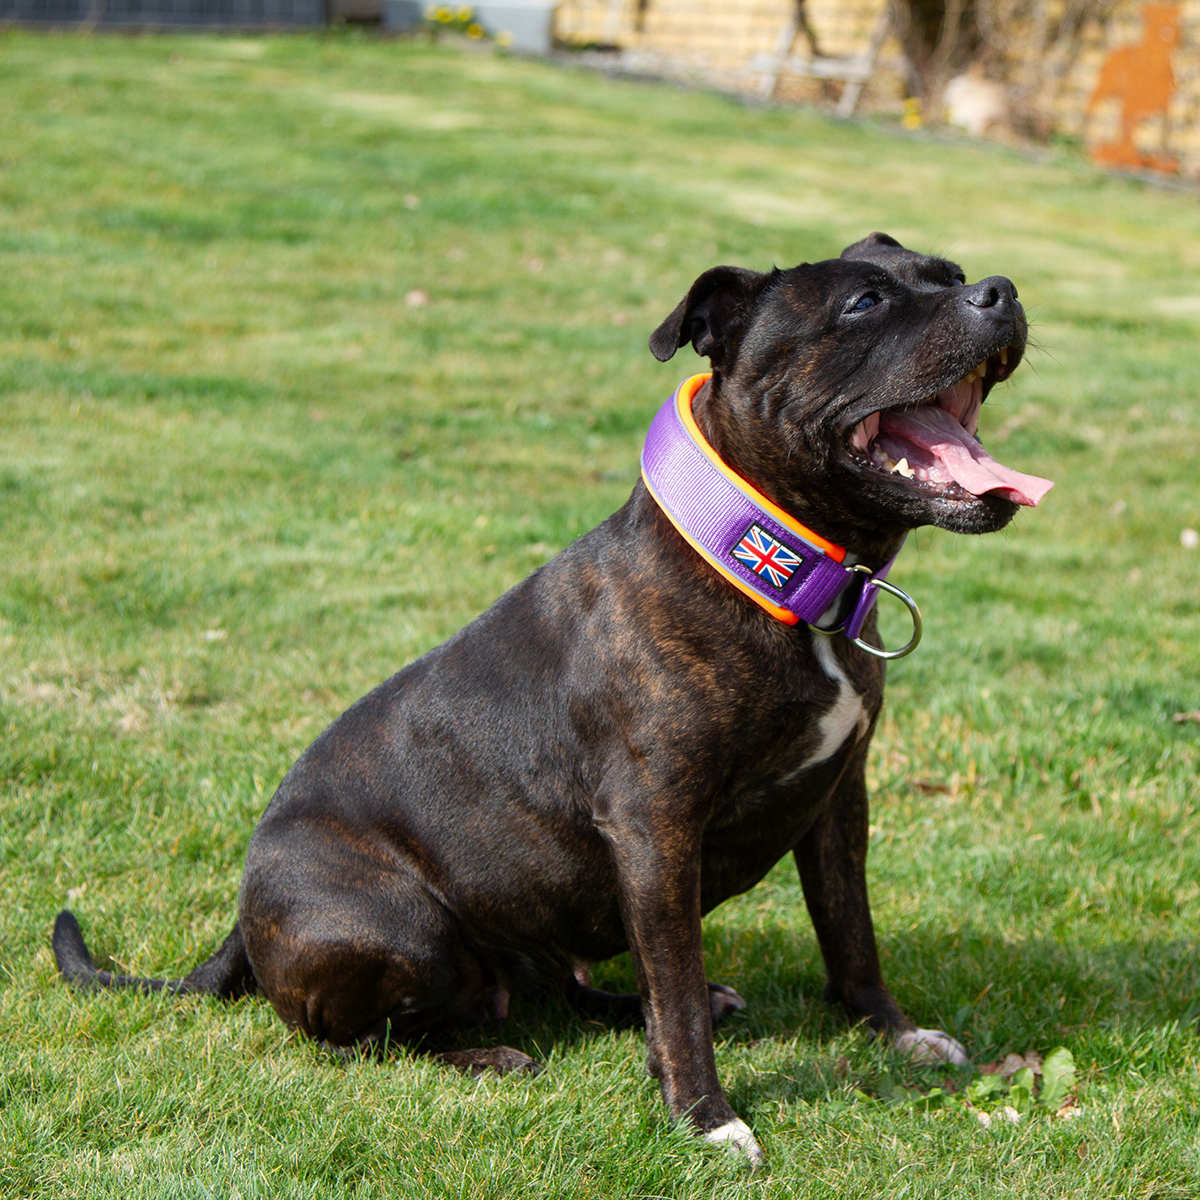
360	959
627	1007
501	1059
832	859
723	1000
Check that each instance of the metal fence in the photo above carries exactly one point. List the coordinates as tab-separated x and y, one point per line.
166	13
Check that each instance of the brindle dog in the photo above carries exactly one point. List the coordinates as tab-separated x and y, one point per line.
623	741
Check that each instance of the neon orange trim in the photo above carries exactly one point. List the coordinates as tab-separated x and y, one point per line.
684	397
780	614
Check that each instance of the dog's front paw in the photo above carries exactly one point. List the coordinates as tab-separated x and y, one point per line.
736	1134
931	1046
722	1001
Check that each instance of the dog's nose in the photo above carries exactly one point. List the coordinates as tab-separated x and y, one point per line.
993	292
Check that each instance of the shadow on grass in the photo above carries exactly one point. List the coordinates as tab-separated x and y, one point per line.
995	993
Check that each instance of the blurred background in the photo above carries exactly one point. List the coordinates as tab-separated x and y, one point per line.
1121	76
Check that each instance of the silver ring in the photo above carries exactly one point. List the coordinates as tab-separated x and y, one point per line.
913	611
892	589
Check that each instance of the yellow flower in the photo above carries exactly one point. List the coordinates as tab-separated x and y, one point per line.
911	120
444	15
465	12
474	31
504	38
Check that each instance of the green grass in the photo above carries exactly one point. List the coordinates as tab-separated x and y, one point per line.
242	480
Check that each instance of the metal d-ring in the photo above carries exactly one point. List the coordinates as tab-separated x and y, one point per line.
893	590
913	611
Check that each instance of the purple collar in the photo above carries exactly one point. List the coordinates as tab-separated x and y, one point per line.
780	564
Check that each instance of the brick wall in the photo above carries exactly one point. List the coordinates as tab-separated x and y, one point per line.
716	41
1179	136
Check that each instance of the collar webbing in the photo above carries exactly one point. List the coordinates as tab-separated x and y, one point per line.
783	566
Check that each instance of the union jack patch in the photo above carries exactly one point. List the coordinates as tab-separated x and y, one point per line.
766	556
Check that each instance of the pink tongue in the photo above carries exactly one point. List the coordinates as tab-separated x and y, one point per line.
934	430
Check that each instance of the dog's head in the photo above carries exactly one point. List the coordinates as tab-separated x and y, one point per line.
849	390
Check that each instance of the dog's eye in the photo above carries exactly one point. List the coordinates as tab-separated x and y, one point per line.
960	279
863	303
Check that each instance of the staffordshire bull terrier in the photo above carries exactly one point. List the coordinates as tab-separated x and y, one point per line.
649	722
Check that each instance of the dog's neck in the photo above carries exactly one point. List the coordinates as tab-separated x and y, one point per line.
782	565
864	541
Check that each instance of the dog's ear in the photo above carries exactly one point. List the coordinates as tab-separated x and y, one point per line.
711	316
873	241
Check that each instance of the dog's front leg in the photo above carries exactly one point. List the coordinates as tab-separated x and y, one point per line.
832	858
658	876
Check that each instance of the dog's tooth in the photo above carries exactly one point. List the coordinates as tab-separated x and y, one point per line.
1004	357
904	469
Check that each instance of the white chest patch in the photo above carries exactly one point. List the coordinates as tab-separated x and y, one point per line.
846	717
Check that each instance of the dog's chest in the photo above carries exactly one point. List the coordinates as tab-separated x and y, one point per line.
843	721
793	771
788	783
848	717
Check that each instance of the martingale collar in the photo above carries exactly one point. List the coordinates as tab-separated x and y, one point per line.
780	564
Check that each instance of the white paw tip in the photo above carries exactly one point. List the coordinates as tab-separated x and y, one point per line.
736	1133
932	1046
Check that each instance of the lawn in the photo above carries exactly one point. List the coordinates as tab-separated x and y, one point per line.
309	348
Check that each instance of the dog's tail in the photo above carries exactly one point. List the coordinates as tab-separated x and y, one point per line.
228	973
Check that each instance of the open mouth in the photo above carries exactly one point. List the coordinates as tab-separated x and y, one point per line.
933	446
